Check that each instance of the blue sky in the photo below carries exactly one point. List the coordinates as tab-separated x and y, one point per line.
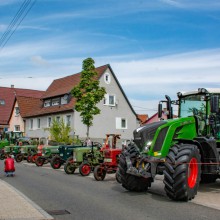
155	47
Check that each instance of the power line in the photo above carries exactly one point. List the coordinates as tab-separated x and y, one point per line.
8	34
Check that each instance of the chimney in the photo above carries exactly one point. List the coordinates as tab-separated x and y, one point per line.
12	86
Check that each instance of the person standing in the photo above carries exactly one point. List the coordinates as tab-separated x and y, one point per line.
9	166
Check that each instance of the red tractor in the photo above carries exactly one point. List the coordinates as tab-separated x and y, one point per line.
32	157
111	157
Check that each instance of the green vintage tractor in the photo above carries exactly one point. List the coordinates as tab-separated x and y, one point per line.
85	158
185	149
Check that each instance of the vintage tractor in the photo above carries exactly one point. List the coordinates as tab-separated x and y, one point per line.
25	152
12	150
34	155
111	157
85	158
65	151
185	149
48	152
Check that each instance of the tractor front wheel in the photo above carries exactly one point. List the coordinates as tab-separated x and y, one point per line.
29	158
69	168
56	162
19	158
99	173
182	172
39	161
128	181
85	169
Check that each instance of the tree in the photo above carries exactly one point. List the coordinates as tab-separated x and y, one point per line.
88	93
59	131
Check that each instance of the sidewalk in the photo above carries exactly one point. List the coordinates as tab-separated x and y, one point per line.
16	206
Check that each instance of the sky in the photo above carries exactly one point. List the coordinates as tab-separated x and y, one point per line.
155	47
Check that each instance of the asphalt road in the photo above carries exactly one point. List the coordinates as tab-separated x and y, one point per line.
77	197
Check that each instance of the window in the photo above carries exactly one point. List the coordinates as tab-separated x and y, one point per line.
55	101
17	111
121	123
64	99
31	124
109	100
38	123
17	128
49	122
107	78
58	118
47	103
2	102
68	120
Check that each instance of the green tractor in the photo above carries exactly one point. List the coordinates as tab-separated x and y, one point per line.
85	158
48	152
185	149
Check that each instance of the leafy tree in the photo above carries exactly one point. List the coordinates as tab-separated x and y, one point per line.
59	131
88	93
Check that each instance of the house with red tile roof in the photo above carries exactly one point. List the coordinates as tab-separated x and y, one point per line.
117	114
11	116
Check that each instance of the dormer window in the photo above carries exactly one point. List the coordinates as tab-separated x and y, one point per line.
47	103
55	101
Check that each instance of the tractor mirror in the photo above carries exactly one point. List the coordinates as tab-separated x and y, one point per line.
159	110
215	104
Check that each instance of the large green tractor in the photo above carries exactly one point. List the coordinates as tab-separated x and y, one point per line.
185	149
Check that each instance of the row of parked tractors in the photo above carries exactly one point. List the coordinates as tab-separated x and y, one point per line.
101	159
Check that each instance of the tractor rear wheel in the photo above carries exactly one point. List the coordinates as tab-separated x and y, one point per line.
99	173
182	172
19	158
85	169
118	176
69	168
40	161
56	162
131	182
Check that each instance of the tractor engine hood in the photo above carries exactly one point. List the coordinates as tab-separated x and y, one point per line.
146	133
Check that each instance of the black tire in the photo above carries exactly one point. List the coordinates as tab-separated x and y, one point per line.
29	158
56	162
99	173
182	172
2	157
85	169
128	181
69	168
118	176
40	161
208	178
19	158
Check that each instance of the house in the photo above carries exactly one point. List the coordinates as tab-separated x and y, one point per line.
142	118
154	118
117	115
11	118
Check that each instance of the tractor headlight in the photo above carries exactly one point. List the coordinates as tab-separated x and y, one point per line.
148	145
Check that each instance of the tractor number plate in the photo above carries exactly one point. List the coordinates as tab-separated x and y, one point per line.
108	160
61	155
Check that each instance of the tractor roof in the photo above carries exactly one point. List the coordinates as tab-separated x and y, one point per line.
200	90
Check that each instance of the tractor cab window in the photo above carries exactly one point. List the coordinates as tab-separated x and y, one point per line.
193	105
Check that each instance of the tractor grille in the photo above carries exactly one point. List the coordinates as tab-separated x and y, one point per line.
146	133
160	139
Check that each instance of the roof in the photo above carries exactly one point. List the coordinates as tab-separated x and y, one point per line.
142	118
61	87
64	85
9	96
207	90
